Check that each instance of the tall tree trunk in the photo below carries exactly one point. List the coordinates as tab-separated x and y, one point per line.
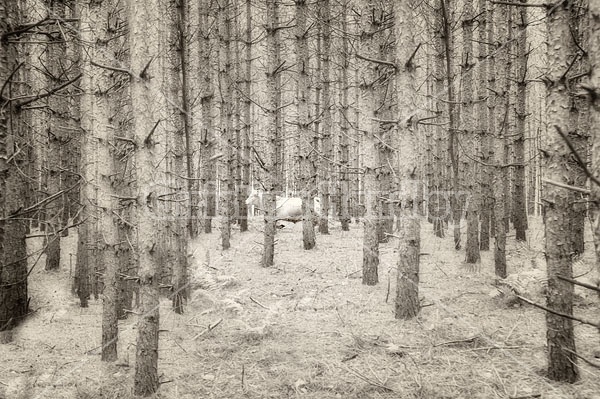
95	121
58	68
226	121
594	57
407	287
88	160
519	204
187	92
326	145
185	215
344	123
123	154
500	132
14	300
241	190
247	113
562	361
486	50
579	125
438	197
371	23
273	134
455	200
145	41
304	134
471	142
207	100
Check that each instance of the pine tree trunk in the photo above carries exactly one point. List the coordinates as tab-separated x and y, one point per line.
326	145
241	190
272	131
145	41
57	137
471	142
207	100
500	131
409	244
187	92
455	201
438	197
520	206
357	161
371	22
579	126
247	113
182	171
594	58
125	174
429	168
344	124
304	133
14	301
562	361
488	79
95	121
225	144
85	231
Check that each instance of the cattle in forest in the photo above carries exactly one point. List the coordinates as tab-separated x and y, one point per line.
287	208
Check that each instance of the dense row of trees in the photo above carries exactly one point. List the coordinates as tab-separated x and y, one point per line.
139	124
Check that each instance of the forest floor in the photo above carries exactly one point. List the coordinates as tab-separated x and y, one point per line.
308	328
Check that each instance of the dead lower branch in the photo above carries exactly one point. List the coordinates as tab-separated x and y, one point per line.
567	186
581	284
49	93
510	3
112	68
566	316
578	159
27	27
382	62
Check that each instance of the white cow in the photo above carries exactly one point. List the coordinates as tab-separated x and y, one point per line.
288	208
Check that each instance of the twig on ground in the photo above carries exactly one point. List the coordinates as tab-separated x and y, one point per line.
340	316
208	329
487	348
459	341
259	304
319	291
499	379
440	269
177	343
511	331
351	273
243	373
369	380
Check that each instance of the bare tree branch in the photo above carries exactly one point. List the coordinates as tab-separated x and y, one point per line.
111	68
382	62
566	316
568	187
580	162
50	92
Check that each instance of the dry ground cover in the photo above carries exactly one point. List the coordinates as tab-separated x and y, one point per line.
308	328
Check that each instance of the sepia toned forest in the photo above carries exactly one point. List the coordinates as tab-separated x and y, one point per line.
328	198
